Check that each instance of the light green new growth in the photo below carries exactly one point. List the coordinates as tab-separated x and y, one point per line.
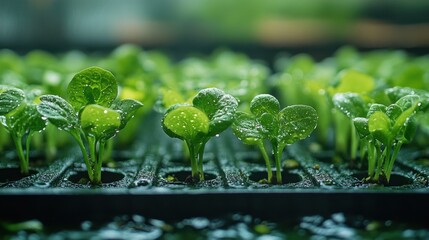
19	116
92	115
279	127
212	111
382	129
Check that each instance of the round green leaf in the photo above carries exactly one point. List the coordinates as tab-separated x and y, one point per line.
296	122
99	121
245	127
361	125
10	98
379	126
93	85
355	81
58	111
185	122
264	103
350	104
219	108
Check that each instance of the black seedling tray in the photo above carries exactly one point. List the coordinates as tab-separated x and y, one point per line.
149	179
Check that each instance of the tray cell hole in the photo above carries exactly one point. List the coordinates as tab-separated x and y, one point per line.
287	177
81	177
13	174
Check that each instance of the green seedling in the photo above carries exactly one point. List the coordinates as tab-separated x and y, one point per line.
20	118
92	115
279	127
212	111
352	106
382	131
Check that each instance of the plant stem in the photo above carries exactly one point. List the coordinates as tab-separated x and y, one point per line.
78	139
341	133
371	158
200	159
18	144
27	148
194	160
278	150
389	169
267	160
363	150
354	144
107	150
380	159
95	166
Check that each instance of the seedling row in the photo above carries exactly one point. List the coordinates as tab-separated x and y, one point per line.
350	114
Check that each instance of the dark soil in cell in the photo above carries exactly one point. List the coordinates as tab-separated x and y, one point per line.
81	177
261	177
13	174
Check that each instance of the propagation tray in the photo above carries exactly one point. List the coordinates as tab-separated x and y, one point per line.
149	179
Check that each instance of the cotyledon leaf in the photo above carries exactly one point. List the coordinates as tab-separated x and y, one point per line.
245	127
126	108
10	99
264	103
25	119
351	104
379	125
185	122
361	125
219	108
92	85
99	121
296	123
58	111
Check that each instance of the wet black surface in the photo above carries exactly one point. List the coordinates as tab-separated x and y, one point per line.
150	175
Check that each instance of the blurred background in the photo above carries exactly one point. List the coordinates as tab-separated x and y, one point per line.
256	27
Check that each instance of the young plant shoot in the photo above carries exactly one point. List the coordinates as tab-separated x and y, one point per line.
92	115
279	127
20	118
382	131
212	111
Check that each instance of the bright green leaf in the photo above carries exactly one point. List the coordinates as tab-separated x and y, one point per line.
380	127
355	81
126	108
58	111
264	103
10	99
185	122
218	106
93	85
296	123
245	127
361	125
376	107
99	121
351	104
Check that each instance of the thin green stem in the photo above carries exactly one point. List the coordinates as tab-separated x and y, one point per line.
371	158
267	160
278	150
27	148
18	144
200	150
389	169
51	147
194	160
354	144
363	150
95	170
78	138
107	150
380	160
341	133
